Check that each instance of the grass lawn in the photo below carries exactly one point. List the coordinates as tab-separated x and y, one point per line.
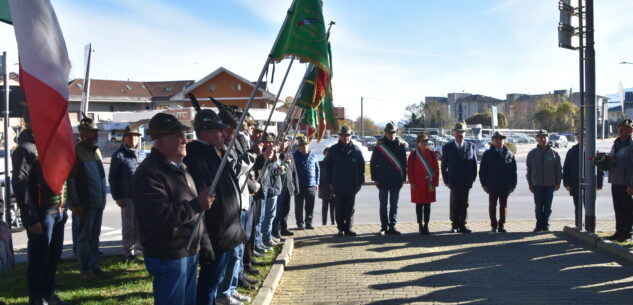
626	244
122	284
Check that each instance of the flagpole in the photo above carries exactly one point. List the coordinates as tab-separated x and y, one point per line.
216	178
7	155
283	82
85	97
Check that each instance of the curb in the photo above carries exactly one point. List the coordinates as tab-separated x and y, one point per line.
267	290
594	241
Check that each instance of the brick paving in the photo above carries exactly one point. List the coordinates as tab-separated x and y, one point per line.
519	267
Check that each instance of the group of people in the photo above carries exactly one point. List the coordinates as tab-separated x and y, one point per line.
171	215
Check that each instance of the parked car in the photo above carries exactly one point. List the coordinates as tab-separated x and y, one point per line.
557	141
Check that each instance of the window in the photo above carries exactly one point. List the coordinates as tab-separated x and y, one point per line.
239	87
167	89
128	87
213	87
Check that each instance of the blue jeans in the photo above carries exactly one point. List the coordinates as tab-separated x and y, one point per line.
393	195
278	214
211	275
258	227
174	280
269	212
543	196
234	265
88	231
43	254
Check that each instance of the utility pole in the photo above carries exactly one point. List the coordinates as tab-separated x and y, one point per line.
590	70
7	154
362	119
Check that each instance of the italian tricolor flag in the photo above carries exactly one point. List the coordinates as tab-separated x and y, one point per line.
44	69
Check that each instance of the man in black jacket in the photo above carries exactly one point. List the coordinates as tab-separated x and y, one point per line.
344	173
43	214
222	221
388	167
498	177
459	171
167	207
571	179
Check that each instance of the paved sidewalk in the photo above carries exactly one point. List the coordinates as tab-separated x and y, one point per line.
519	267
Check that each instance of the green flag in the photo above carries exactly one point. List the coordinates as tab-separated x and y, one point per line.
5	13
303	35
306	96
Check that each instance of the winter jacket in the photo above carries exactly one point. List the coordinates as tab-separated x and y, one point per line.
34	198
498	171
324	190
543	167
87	182
571	174
123	163
166	208
418	176
308	169
290	179
223	218
382	169
459	167
622	173
344	168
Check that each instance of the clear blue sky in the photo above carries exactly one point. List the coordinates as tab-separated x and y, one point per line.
393	52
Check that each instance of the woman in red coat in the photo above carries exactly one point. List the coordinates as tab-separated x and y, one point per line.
423	172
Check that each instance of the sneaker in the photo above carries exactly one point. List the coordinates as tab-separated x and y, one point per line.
277	240
287	233
53	299
227	301
393	231
257	253
270	243
242	298
89	275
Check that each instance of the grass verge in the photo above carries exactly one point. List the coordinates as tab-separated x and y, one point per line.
122	284
627	244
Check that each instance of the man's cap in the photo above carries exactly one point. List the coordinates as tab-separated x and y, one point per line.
302	140
87	124
390	127
227	114
207	119
250	120
498	135
269	137
163	124
626	123
542	132
345	130
131	131
422	137
460	126
258	127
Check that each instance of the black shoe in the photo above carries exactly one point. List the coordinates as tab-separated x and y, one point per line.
250	280
242	283
382	231
53	299
615	236
545	229
393	231
257	264
350	233
98	272
340	233
502	230
454	229
537	229
286	233
425	230
623	238
494	229
250	270
300	228
465	230
309	226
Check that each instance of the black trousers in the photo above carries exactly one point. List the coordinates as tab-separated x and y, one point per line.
325	204
423	213
344	210
305	199
285	209
623	207
492	210
459	206
247	258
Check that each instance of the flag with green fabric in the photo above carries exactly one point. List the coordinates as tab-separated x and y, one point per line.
303	35
5	13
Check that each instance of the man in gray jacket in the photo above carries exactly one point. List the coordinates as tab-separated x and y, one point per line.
544	173
620	179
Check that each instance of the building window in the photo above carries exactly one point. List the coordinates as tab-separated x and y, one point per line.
213	87
239	87
111	108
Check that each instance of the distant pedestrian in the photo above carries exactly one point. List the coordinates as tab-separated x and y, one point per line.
459	171
621	179
388	168
544	173
571	178
308	172
344	172
498	177
167	205
326	195
424	177
87	198
123	164
44	215
290	183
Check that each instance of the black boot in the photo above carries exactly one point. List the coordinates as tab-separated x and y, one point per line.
425	229
421	228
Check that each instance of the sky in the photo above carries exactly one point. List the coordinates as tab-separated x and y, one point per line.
390	52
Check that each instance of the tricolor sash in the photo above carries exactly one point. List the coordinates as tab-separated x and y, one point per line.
390	156
429	171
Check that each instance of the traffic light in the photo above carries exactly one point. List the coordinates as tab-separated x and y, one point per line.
565	29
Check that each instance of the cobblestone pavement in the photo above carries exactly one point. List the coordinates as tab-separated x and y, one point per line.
519	267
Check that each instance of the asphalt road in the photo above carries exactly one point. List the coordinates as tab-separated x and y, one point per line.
520	205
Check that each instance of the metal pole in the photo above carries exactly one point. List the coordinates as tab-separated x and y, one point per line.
283	82
362	124
590	70
85	97
581	130
7	154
